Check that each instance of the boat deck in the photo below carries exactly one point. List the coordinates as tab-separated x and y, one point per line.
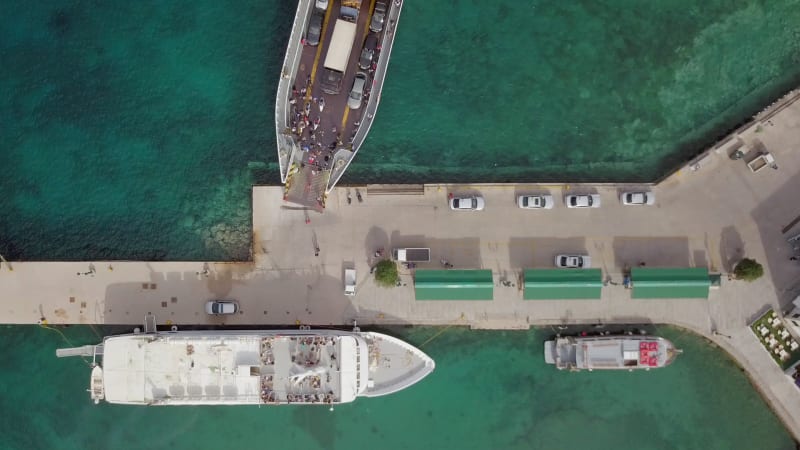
232	369
394	365
322	132
631	352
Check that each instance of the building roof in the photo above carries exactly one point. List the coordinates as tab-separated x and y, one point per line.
454	284
562	284
689	282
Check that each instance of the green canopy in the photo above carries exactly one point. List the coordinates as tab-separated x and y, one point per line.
692	282
562	284
454	285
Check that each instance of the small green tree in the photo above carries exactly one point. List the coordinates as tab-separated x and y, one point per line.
386	273
748	270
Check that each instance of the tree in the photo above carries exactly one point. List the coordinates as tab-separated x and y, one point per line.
748	270
386	273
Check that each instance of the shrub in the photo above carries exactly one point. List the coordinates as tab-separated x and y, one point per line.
748	270
386	273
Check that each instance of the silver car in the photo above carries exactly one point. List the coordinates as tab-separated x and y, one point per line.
573	261
470	203
378	17
357	93
221	307
637	198
582	201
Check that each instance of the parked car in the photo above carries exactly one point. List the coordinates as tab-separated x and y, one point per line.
357	92
314	29
535	201
637	198
573	261
469	203
322	5
583	201
220	307
368	52
378	17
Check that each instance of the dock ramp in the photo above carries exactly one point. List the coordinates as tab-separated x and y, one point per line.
86	350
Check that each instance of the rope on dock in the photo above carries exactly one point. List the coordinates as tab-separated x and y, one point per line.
455	322
44	325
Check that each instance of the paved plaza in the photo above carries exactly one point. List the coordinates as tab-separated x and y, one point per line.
709	214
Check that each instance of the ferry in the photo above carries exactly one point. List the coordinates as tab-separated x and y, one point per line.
329	90
258	367
625	352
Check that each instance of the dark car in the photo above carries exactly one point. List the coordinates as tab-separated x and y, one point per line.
378	17
314	29
368	52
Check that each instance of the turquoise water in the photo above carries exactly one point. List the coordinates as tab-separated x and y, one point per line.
490	390
134	130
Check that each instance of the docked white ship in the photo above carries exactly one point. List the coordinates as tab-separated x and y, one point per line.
269	367
609	352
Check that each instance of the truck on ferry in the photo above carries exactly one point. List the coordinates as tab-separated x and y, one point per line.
335	66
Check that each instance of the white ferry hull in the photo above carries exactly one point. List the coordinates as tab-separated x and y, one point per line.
259	367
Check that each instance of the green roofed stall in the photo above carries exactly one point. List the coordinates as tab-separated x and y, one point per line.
562	284
454	285
691	282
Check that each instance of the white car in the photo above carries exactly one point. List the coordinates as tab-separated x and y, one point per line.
322	5
470	203
573	261
637	198
583	201
535	201
219	307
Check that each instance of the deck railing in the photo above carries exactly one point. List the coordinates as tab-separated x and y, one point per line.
291	62
393	17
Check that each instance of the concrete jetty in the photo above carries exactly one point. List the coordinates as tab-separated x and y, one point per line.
710	213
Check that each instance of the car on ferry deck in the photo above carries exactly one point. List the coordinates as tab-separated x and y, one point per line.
314	29
467	203
378	17
357	92
368	52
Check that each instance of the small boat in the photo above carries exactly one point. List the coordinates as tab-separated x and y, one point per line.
620	352
96	384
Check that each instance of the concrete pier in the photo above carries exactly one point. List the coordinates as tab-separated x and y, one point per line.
709	214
